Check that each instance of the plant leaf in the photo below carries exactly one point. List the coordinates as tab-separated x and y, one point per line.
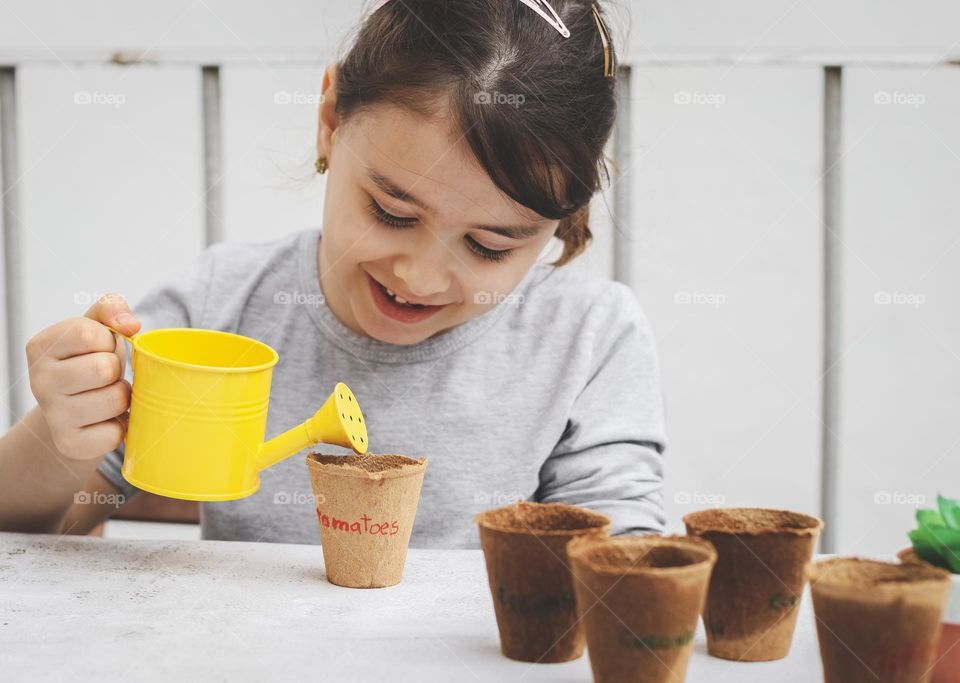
947	543
929	518
926	549
949	511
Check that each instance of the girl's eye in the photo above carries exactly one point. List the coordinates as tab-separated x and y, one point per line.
389	219
398	222
485	253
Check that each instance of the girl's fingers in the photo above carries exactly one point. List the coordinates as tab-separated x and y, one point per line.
98	439
68	338
90	407
87	372
112	309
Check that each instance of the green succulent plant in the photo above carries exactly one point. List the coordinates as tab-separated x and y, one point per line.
937	537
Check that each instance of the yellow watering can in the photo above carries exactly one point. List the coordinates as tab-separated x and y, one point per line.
199	412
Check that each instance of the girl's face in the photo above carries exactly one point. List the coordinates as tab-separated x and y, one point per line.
408	209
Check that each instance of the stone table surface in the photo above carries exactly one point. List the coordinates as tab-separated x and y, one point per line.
84	608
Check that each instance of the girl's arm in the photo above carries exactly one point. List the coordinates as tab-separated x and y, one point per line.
609	458
76	374
40	484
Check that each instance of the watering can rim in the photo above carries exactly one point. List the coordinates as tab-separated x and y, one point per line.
135	343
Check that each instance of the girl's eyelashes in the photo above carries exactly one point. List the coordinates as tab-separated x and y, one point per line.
398	222
389	219
486	253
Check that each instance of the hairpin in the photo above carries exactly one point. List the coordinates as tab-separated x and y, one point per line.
602	28
553	20
536	5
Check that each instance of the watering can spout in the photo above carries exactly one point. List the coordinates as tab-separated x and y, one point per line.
338	422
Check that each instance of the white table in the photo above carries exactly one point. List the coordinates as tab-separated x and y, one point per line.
86	608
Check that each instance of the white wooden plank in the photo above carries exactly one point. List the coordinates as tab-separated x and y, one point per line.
727	254
832	302
6	189
159	30
901	369
742	31
112	188
745	30
269	139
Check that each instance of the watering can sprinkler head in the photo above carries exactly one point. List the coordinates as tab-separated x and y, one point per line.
339	422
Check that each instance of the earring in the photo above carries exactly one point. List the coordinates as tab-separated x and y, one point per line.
321	165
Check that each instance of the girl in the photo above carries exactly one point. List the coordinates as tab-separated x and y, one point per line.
456	139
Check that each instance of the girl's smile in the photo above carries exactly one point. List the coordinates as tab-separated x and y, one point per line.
403	312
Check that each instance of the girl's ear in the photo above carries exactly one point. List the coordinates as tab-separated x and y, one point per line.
327	120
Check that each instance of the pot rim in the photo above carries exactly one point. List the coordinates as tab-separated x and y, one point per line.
813	529
579	548
412	467
603	528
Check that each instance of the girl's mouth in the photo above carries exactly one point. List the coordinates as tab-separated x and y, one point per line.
390	307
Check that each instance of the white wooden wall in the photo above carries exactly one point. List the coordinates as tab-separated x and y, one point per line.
786	168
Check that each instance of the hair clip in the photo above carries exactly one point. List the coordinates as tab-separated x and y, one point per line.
602	28
536	5
554	20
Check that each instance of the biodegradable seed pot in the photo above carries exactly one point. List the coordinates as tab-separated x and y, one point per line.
639	598
366	506
877	621
755	590
524	547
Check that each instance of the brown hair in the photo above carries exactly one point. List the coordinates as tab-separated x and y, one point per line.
535	108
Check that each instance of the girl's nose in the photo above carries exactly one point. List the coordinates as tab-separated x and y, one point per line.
425	275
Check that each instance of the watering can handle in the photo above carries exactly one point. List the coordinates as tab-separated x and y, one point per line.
129	339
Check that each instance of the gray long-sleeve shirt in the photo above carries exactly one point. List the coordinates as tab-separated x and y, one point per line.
553	395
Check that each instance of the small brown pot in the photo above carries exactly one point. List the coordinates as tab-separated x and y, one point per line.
525	549
639	598
755	590
877	621
366	505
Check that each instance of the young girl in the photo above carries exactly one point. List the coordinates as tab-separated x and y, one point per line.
456	139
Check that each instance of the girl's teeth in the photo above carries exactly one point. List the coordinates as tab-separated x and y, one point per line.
398	299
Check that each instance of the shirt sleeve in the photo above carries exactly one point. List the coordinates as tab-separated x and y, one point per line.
179	302
609	458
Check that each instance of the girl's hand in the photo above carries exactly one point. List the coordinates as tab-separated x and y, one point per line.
76	374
